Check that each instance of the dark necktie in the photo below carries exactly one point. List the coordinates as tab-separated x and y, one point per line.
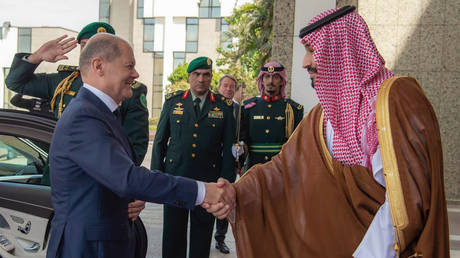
197	106
117	114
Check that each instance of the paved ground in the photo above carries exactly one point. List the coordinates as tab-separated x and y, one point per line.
153	220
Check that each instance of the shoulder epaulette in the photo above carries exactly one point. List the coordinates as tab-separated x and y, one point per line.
253	99
221	97
294	104
136	85
67	68
249	103
173	94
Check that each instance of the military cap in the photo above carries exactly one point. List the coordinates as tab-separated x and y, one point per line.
201	62
89	30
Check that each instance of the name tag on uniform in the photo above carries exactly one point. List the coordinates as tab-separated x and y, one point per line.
216	114
258	117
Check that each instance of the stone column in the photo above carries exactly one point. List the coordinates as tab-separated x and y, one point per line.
283	29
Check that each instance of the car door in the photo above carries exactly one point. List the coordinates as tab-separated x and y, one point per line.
25	205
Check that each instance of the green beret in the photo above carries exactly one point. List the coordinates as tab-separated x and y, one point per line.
201	62
89	30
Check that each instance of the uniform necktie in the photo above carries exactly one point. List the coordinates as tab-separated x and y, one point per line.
117	114
197	106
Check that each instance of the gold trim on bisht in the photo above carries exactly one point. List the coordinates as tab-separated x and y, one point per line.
289	120
322	140
390	167
61	89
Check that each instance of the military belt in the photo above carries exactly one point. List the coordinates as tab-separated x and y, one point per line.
266	147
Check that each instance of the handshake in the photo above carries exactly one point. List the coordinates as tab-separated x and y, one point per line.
220	199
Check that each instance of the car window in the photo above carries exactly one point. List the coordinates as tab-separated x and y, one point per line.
21	159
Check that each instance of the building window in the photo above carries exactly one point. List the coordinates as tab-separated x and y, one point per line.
209	9
140	9
24	38
149	34
191	39
104	11
179	58
8	94
157	94
225	40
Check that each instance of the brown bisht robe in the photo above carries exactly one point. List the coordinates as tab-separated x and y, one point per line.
303	203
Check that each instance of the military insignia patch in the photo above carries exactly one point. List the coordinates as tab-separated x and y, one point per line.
67	68
229	102
299	107
208	61
101	29
143	100
178	110
279	118
271	69
216	114
216	109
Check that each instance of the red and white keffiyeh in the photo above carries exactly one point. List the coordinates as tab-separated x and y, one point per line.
350	72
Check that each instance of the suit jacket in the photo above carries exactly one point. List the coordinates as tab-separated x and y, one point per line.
23	80
93	178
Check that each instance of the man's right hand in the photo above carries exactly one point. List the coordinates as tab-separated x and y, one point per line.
53	50
227	203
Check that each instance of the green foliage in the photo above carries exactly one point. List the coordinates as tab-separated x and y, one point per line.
251	26
179	80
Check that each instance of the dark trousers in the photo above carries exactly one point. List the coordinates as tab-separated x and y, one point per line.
175	221
221	229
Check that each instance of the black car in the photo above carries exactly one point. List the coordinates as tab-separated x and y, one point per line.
25	204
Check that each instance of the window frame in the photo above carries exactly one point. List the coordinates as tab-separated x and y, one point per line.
148	22
187	41
21	35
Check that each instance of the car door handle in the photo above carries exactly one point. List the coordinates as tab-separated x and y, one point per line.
33	248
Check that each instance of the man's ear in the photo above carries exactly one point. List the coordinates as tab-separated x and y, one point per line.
97	66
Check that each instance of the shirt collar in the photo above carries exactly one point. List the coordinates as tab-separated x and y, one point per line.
202	97
106	99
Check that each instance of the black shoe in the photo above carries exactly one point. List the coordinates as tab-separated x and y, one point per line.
222	247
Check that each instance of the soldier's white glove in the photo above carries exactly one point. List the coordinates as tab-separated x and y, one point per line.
237	149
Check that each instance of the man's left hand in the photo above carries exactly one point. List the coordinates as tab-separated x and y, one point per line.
134	209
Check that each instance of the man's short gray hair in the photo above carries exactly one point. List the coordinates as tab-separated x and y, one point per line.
103	45
227	76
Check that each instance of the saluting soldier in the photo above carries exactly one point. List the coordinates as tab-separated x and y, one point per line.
268	120
59	88
193	139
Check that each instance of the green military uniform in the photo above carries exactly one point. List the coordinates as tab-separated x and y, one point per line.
198	148
263	126
23	80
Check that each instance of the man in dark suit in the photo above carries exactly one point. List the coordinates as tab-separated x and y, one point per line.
227	87
93	175
193	139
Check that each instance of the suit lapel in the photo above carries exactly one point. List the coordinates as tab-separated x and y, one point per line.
110	118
